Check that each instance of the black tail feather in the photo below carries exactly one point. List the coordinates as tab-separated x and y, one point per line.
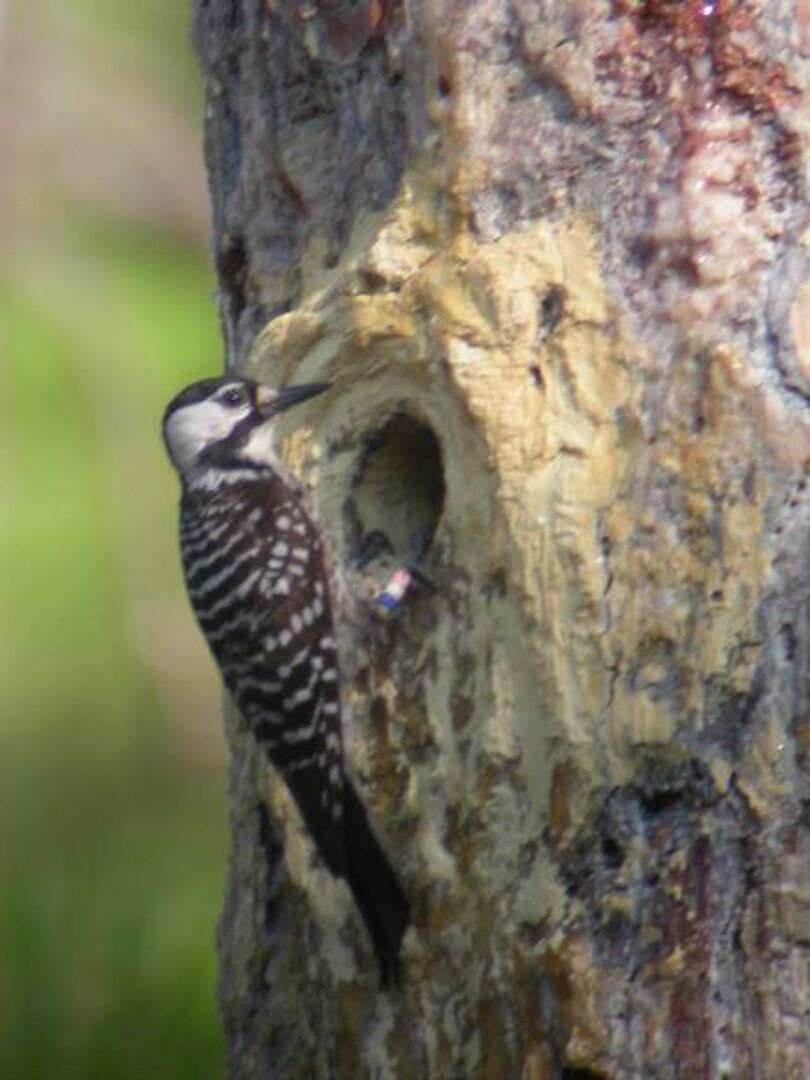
375	888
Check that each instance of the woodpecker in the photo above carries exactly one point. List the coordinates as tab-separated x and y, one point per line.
258	582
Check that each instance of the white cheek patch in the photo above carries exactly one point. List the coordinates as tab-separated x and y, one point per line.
260	446
191	429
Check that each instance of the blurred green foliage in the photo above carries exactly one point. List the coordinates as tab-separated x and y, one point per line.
87	374
111	880
112	778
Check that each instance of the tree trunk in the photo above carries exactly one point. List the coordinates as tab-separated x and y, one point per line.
552	257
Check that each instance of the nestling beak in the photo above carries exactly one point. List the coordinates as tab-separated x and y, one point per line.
272	401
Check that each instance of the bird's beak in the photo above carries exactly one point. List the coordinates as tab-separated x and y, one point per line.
272	401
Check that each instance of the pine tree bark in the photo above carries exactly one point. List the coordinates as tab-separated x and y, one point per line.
552	256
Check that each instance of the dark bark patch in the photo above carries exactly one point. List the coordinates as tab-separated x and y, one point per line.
551	308
273	850
232	269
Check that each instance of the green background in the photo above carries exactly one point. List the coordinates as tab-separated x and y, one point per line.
112	766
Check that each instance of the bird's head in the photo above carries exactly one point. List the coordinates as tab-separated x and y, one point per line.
227	423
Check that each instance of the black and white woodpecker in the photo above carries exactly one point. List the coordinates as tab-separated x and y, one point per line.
259	584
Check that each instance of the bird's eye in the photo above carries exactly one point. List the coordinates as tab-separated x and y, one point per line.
234	396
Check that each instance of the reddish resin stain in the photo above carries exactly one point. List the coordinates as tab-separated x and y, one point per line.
343	30
725	32
708	99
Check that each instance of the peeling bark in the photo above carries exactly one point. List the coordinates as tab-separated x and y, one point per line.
552	256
